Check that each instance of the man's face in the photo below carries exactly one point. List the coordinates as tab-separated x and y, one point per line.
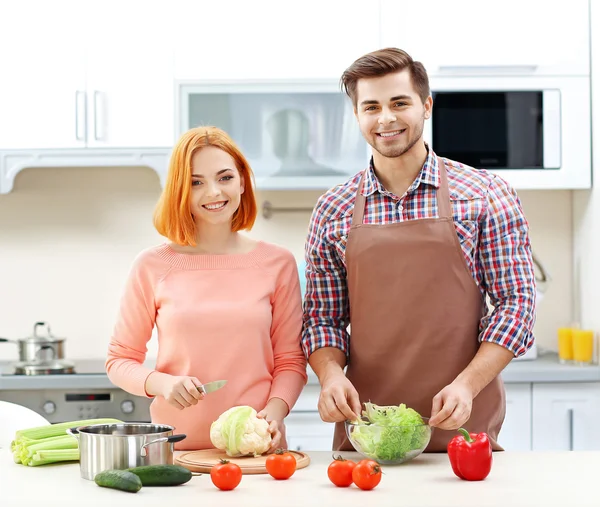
390	113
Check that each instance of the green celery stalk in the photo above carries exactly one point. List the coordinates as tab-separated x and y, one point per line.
47	444
53	456
58	429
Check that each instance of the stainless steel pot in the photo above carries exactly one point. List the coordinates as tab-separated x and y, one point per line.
126	445
39	349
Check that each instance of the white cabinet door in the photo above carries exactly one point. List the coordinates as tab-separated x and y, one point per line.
508	36
130	90
516	430
271	39
565	417
42	90
305	431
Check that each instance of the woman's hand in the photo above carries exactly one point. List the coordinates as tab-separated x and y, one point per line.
181	392
274	413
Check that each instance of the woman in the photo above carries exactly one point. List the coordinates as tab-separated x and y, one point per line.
225	306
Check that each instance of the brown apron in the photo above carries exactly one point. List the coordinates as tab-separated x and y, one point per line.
414	315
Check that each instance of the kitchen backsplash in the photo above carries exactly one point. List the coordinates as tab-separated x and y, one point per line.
68	236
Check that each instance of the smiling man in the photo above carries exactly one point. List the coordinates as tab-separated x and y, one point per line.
408	252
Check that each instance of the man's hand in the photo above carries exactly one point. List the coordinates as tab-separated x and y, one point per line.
452	406
339	399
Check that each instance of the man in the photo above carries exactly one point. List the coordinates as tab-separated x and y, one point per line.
406	253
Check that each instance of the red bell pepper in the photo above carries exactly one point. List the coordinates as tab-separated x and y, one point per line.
470	455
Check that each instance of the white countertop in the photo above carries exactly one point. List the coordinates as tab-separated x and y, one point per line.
517	480
545	368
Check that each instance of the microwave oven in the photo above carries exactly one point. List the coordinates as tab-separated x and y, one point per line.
296	135
535	132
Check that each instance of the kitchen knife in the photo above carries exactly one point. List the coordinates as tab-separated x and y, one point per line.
211	387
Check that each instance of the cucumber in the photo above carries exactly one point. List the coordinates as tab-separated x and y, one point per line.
162	475
119	479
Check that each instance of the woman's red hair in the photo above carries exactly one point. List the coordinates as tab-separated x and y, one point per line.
172	216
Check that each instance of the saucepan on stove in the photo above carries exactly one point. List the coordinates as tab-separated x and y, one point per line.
39	348
123	445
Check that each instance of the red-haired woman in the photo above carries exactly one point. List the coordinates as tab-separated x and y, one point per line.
225	306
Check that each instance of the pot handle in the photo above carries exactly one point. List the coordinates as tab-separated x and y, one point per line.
73	432
171	439
41	324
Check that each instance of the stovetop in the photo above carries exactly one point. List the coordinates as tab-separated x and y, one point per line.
82	367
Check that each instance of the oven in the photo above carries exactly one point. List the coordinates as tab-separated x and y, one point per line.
81	392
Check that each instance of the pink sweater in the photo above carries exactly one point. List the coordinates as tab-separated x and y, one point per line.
235	317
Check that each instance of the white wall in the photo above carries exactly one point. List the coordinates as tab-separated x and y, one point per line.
68	236
586	217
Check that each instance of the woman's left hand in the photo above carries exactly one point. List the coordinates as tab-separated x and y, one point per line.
274	413
277	431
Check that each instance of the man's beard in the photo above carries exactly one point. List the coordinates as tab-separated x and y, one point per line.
398	151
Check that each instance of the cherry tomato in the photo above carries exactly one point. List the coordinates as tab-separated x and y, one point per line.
340	471
226	475
281	465
366	474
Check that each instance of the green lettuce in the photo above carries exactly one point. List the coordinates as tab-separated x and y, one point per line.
390	433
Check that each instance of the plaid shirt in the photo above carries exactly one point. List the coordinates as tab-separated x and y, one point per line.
490	225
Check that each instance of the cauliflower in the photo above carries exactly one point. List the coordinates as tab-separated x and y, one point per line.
239	432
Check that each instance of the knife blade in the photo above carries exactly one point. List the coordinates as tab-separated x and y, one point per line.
211	387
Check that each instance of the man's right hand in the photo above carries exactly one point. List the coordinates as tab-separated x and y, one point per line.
339	399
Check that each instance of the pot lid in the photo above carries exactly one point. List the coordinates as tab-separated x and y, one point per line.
37	338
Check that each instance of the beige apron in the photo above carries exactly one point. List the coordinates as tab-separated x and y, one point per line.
414	314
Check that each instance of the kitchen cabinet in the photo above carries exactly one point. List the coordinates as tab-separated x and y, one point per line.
81	75
43	75
129	76
565	416
516	430
540	416
270	39
307	431
506	37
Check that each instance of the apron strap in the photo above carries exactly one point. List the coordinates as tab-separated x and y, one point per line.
358	212
443	194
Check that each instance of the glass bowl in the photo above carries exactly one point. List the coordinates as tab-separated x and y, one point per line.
389	445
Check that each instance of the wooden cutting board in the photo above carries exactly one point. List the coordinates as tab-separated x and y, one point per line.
202	461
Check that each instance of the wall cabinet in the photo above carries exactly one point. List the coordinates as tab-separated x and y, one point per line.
270	39
41	92
80	76
521	38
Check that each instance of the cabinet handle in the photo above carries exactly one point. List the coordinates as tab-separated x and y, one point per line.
98	134
570	415
80	136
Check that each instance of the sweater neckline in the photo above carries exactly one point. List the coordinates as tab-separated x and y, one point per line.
213	261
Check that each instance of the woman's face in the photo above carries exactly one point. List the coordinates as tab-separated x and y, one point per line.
217	186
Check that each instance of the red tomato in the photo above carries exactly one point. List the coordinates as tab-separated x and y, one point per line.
340	471
226	475
366	474
281	465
